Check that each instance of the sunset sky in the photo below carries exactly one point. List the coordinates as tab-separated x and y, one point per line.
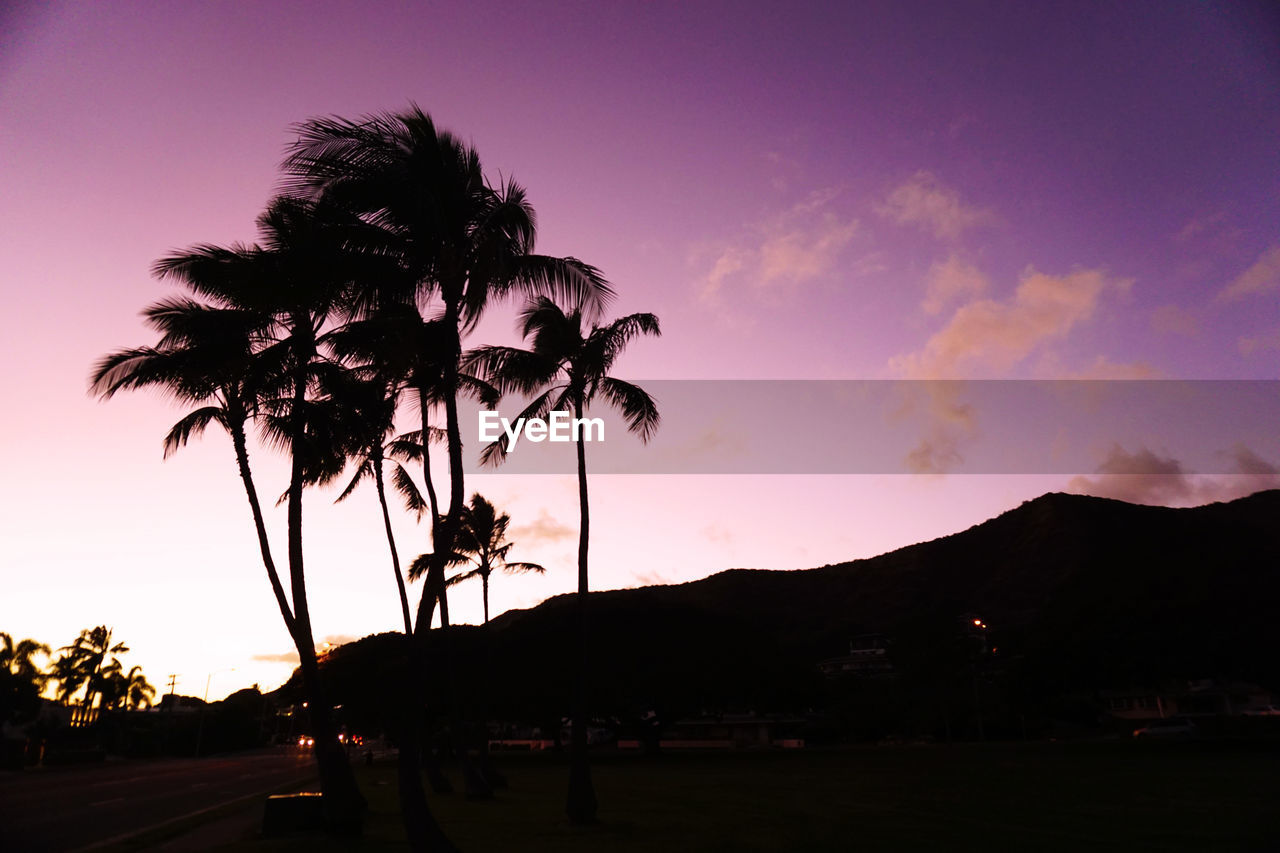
818	191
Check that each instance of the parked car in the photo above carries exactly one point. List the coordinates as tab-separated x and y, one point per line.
1173	727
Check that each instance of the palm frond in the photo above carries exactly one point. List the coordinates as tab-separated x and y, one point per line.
637	407
408	491
191	426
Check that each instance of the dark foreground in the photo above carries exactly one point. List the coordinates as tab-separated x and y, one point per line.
64	809
1115	795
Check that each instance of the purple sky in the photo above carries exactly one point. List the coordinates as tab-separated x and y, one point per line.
863	191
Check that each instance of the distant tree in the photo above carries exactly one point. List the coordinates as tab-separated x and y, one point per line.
19	659
566	368
87	656
482	544
21	680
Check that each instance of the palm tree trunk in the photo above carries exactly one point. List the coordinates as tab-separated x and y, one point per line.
264	545
476	785
484	580
376	461
421	829
343	802
581	804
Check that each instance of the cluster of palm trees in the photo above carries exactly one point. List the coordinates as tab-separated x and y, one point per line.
87	672
385	247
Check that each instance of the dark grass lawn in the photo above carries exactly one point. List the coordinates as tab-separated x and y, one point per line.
1032	797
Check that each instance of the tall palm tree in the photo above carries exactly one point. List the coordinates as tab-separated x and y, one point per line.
254	351
459	242
568	368
218	360
457	239
300	276
482	545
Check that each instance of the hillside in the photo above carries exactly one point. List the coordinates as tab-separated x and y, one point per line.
1080	593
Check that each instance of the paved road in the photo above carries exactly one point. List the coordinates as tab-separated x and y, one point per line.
66	809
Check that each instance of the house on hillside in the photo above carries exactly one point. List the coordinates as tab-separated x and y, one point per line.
1207	697
868	656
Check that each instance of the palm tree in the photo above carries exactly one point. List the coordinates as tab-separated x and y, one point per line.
254	352
300	277
138	692
457	240
568	369
482	543
86	663
19	659
214	358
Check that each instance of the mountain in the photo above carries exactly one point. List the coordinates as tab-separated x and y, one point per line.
1079	593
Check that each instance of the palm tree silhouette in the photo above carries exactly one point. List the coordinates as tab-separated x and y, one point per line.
458	243
281	293
482	543
85	663
214	358
19	659
456	239
568	369
138	692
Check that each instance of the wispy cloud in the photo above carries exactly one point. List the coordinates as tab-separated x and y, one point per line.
277	657
1146	477
1260	278
1259	343
950	281
925	202
329	642
993	336
1103	368
1172	320
803	243
544	528
1199	225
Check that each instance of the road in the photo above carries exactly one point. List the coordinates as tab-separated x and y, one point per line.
67	809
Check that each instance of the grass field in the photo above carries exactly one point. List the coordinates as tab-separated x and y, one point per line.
1025	797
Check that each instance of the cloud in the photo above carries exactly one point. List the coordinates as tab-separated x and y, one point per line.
993	336
924	202
278	657
1145	477
650	578
948	424
1200	225
1172	320
330	642
544	528
716	534
1102	368
803	243
952	280
1261	278
1259	343
336	640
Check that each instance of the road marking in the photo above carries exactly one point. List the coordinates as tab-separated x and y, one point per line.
127	835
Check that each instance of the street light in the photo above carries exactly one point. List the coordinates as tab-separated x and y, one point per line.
200	728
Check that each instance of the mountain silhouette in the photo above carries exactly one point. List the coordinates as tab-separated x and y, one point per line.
1079	593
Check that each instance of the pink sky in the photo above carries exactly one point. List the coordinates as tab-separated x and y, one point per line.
860	191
